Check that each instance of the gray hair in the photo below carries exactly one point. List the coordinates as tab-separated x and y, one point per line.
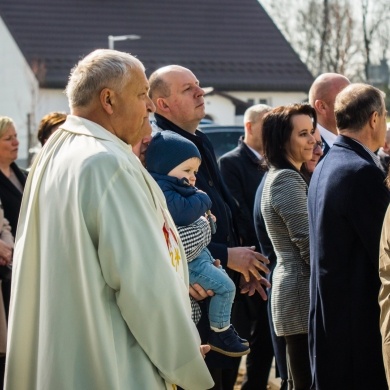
355	104
253	113
5	122
103	68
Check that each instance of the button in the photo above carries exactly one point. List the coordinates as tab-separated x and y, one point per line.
211	184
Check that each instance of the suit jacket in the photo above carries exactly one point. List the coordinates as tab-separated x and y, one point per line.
347	203
284	209
326	148
11	197
241	171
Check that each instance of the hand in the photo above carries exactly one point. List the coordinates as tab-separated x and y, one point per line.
254	285
5	252
204	349
213	217
199	293
247	261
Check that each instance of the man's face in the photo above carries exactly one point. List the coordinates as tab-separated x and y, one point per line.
382	127
131	109
186	100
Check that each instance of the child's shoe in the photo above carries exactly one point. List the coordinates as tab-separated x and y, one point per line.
227	343
242	341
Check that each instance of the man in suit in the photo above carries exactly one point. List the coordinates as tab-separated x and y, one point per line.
179	102
347	203
322	95
241	170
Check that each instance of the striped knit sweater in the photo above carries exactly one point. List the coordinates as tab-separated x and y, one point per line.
284	208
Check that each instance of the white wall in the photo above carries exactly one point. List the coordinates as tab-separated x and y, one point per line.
273	99
222	110
50	100
19	89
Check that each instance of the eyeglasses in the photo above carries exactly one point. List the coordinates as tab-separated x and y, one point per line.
319	144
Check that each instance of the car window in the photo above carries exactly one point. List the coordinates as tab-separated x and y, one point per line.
224	141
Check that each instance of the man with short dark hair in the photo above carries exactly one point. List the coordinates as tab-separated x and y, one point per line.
347	203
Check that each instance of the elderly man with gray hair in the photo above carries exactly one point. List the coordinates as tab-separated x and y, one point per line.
100	293
347	203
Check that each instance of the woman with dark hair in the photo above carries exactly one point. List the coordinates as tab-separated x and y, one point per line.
288	141
49	124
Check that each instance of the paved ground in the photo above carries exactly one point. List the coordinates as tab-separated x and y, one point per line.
273	383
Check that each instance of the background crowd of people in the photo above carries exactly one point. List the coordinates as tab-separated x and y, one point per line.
118	283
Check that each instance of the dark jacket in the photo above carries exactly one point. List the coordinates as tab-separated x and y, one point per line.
347	203
224	208
11	197
210	181
242	173
185	203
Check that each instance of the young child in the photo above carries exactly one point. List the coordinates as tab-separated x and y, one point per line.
173	161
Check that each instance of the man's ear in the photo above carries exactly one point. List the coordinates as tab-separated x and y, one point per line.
373	119
319	106
161	104
106	100
248	127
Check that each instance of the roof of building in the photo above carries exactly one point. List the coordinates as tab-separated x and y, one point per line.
228	44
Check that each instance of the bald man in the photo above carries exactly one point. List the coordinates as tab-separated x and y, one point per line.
179	101
322	95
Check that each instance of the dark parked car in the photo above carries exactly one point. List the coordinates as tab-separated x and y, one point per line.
223	138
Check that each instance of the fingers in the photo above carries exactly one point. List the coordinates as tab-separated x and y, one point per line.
6	256
246	275
251	289
260	266
210	293
204	349
258	255
217	263
265	282
199	293
262	293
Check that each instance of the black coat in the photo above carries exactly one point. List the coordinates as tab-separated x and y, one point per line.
11	197
209	180
241	170
224	208
347	203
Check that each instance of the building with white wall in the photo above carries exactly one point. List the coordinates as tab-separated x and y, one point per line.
19	90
